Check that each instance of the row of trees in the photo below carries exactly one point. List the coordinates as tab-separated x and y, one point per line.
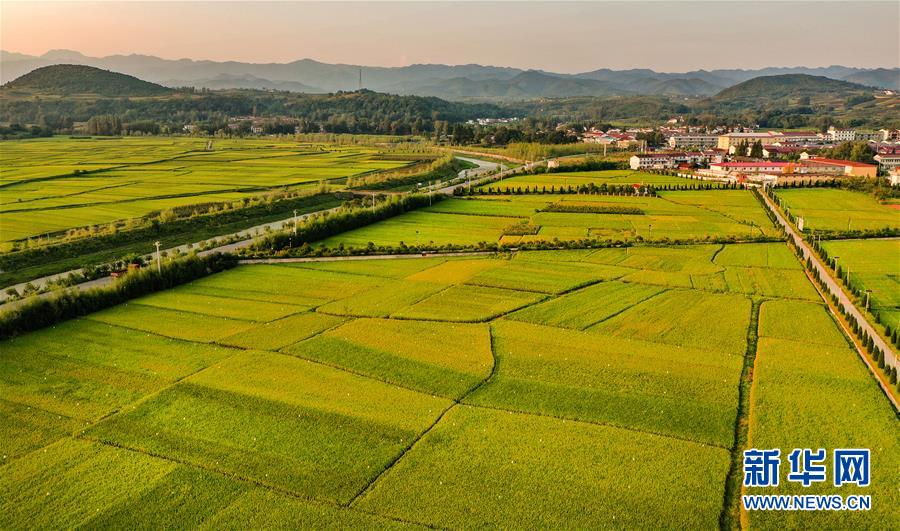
45	311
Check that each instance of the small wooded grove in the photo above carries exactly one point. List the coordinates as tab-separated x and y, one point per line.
319	227
41	312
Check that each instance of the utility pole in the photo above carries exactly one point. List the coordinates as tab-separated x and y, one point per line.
868	292
650	228
158	259
295	222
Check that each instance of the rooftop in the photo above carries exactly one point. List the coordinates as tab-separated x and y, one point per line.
837	162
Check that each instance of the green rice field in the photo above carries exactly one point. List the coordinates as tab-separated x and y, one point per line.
874	265
581	178
672	215
833	209
541	389
52	185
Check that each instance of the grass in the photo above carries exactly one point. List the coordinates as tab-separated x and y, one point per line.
575	470
838	210
673	215
551	388
76	369
588	306
581	178
873	266
811	390
468	304
684	392
683	318
132	177
245	416
446	359
78	483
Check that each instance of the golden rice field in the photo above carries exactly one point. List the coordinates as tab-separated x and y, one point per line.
547	389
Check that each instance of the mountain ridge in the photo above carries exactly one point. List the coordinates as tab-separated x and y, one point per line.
459	82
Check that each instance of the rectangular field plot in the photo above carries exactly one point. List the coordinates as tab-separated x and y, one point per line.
183	299
283	332
287	284
25	428
390	268
686	318
550	278
588	306
440	358
874	265
383	300
171	323
820	395
132	177
564	180
838	210
768	255
688	393
585	476
468	304
79	483
313	430
84	369
421	227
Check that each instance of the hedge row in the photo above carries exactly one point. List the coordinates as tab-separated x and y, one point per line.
45	311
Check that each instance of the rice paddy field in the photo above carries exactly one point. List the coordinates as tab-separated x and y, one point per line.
834	209
576	389
672	215
874	265
580	178
51	185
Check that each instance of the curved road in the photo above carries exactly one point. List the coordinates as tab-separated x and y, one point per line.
246	236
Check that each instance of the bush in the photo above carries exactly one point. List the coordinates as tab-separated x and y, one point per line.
42	312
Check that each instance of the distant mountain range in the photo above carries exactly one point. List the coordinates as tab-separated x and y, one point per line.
459	82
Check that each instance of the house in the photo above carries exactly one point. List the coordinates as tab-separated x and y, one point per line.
663	161
726	169
821	165
731	140
841	135
714	155
799	137
693	140
888	160
890	135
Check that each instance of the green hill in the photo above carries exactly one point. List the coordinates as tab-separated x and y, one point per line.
790	85
69	80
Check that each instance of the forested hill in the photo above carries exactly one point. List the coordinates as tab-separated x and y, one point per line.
790	85
343	112
71	80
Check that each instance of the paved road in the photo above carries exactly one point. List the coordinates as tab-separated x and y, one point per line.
890	357
245	237
361	257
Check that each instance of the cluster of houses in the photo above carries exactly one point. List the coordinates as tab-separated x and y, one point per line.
708	159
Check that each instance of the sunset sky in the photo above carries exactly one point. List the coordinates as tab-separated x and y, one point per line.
570	37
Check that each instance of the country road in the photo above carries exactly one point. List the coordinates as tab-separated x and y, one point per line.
245	236
890	357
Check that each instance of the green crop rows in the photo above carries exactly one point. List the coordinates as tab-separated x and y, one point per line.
583	389
58	184
673	215
839	210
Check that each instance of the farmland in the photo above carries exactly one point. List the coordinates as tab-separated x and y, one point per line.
537	389
839	210
53	185
873	266
580	178
672	215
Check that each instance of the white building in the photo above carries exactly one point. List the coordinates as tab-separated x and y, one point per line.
663	161
693	140
888	161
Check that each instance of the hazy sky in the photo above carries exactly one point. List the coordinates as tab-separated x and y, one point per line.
560	37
